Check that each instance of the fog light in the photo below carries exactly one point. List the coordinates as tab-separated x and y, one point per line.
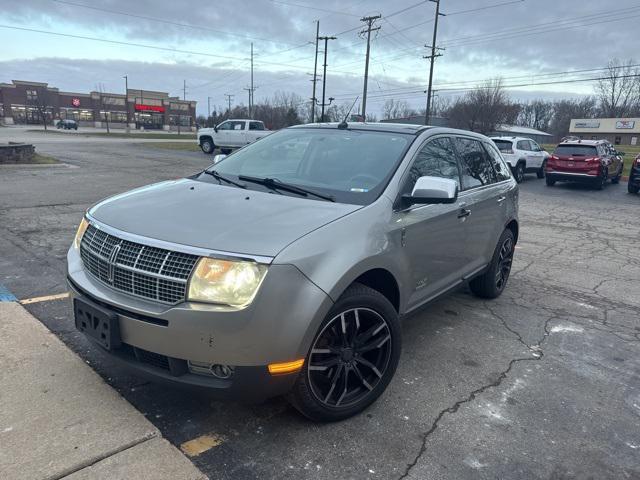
223	372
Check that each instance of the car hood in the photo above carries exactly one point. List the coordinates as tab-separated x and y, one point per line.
217	217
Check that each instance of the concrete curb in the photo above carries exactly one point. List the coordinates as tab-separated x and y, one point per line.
59	419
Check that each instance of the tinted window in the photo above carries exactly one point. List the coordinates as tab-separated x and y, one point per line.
576	150
498	162
256	126
477	168
436	159
225	126
504	146
524	145
354	166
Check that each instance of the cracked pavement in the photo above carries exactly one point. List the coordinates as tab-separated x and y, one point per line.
543	382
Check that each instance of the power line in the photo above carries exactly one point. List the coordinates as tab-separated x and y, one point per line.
142	45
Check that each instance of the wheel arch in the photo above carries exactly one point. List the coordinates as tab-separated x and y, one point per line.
205	137
378	278
514	227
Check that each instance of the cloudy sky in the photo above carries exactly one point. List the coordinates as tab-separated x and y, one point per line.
533	44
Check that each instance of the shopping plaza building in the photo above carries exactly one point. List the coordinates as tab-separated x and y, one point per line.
619	131
32	102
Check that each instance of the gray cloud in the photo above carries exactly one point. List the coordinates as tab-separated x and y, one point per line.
479	44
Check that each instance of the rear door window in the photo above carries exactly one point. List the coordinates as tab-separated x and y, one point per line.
475	165
256	126
502	171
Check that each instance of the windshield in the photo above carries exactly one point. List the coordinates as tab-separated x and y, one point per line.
504	145
351	166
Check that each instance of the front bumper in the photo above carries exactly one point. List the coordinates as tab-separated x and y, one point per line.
158	340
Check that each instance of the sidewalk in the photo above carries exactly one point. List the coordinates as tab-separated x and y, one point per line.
58	419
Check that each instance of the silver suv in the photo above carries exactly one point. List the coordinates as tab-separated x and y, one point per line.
284	268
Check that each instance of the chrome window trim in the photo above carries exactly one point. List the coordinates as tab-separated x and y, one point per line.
177	247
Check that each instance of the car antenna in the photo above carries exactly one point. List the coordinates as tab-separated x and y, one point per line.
343	124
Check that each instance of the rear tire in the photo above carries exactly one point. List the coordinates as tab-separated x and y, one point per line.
633	189
616	180
352	359
550	182
518	172
493	282
540	172
601	182
225	151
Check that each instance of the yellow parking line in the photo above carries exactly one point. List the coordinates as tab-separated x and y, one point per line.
199	445
46	298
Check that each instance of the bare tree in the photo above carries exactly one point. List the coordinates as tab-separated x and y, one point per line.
619	89
483	109
536	114
565	110
396	109
39	100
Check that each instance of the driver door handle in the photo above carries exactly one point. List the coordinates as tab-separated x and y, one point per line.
464	213
502	199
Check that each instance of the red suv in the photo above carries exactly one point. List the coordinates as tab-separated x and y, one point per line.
585	161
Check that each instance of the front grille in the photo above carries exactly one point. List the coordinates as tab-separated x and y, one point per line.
136	269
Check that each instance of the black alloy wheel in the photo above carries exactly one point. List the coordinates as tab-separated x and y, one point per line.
352	358
505	259
493	281
349	357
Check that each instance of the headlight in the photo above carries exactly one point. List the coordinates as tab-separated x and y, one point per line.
81	229
232	283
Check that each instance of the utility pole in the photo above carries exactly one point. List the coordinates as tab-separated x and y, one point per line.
251	88
369	21
126	100
324	76
229	98
432	59
315	75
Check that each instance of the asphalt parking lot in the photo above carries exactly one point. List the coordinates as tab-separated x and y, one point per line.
543	382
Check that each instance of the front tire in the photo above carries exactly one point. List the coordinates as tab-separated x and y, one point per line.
207	146
540	172
550	182
633	189
352	358
492	283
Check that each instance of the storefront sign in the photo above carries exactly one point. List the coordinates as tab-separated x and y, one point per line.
588	124
75	101
148	108
625	124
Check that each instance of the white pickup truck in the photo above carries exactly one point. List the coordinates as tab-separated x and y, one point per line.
231	134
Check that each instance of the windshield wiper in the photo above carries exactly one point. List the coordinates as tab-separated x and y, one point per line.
277	184
219	177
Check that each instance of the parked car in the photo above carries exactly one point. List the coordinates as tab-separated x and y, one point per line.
586	161
286	267
68	124
634	176
231	134
523	156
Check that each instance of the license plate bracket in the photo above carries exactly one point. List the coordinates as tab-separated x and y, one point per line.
99	324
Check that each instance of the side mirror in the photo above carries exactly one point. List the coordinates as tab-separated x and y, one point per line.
218	158
215	128
431	190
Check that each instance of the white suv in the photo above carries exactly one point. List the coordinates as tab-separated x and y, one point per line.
523	156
